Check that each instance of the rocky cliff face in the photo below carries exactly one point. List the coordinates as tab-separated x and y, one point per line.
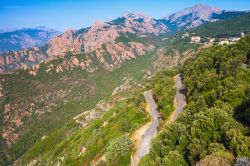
98	41
21	59
104	33
193	16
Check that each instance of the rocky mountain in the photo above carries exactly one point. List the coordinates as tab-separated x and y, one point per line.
109	43
197	15
219	29
193	16
15	40
100	33
113	42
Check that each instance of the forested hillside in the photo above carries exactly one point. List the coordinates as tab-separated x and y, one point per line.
224	28
35	106
214	129
106	140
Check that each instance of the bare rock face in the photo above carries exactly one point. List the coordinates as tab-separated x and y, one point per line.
101	33
99	40
61	44
243	161
127	84
142	23
86	117
193	16
32	163
97	36
75	62
83	150
21	59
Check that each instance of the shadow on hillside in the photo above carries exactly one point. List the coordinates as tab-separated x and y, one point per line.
242	113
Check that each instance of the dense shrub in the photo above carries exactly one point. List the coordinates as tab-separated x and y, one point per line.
119	147
212	128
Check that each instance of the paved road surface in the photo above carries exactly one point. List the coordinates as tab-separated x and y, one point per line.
180	98
151	131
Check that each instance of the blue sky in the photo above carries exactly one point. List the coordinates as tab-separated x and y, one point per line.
76	14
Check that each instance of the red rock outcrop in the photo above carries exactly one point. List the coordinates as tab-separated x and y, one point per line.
98	41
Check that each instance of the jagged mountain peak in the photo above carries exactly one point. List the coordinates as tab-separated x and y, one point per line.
192	16
199	10
137	15
98	24
201	6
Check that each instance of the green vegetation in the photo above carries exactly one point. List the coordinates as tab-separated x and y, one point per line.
123	39
117	148
179	45
225	28
80	91
97	139
213	127
163	87
147	39
111	141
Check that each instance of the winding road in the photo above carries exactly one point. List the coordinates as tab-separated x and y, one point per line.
148	132
179	98
145	134
152	130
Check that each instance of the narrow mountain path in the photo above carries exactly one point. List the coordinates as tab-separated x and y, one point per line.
146	133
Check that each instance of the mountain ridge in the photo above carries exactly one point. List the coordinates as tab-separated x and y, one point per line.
101	37
25	38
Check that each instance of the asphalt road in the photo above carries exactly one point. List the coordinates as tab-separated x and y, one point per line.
151	132
180	98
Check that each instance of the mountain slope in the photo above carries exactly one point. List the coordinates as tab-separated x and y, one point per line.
214	128
43	103
220	28
197	15
209	131
26	38
95	143
191	17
